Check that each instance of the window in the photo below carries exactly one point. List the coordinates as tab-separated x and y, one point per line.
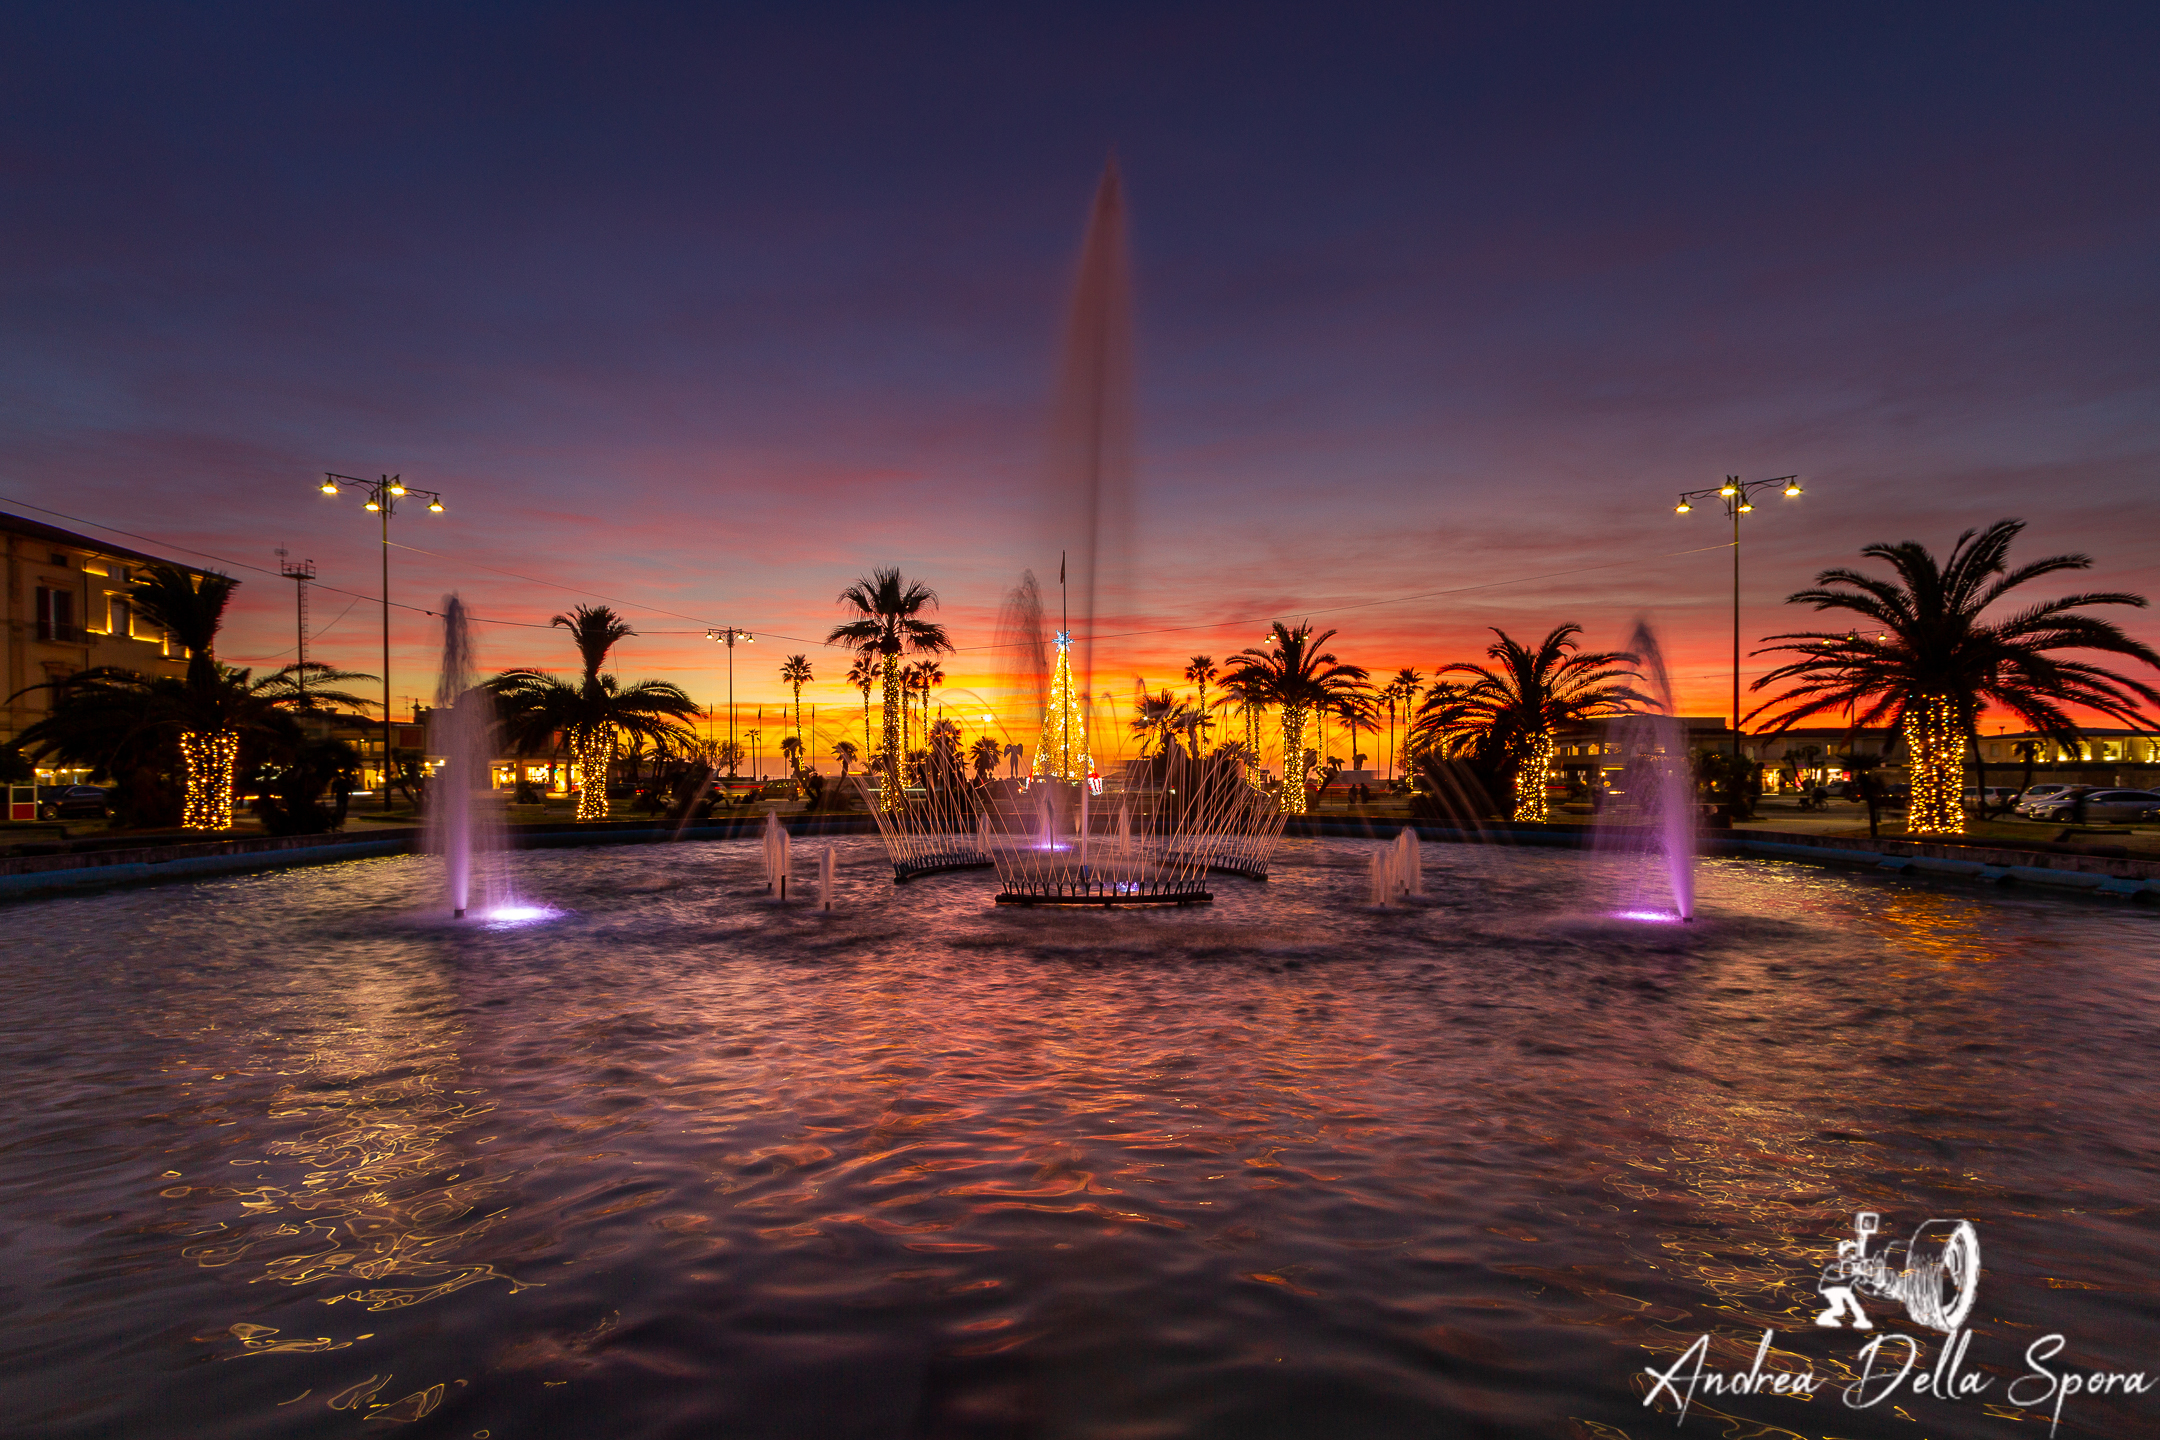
119	618
59	559
56	616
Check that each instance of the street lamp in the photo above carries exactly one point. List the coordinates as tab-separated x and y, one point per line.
382	497
1738	496
728	636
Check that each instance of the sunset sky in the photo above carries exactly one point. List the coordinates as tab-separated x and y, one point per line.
705	310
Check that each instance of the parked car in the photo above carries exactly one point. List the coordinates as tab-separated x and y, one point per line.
2118	806
2039	793
1996	796
76	802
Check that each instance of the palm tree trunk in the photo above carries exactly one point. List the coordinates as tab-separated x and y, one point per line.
1935	747
895	736
1293	759
1530	779
210	756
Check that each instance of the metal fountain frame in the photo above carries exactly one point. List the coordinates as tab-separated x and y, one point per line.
1058	843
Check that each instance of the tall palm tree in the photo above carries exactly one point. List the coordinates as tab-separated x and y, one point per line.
863	674
1507	715
190	612
1357	713
927	674
1298	675
1201	671
795	671
1938	662
1239	689
535	706
1408	685
985	754
889	621
791	749
845	752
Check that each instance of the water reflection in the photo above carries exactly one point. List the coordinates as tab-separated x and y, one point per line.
684	1161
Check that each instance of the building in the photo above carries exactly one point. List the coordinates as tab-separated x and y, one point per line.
67	611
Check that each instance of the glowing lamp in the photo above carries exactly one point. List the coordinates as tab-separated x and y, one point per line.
371	505
329	488
1728	490
397	489
1793	489
1682	508
436	506
1745	507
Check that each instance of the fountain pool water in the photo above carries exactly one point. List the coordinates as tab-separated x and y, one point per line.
282	1155
1646	828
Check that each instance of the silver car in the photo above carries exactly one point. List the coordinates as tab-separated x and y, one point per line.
2117	806
2039	794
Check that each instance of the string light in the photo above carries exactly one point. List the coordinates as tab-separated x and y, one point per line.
1293	759
595	752
1062	753
1531	779
1936	743
210	757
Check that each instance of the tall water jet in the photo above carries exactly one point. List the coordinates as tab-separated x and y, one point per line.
463	825
1649	820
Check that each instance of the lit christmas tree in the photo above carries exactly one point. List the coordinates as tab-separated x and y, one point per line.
1062	753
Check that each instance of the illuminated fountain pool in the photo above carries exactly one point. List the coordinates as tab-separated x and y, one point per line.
283	1158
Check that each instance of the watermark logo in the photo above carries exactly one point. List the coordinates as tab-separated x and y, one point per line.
1935	1275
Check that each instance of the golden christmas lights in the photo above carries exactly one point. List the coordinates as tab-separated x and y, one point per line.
210	757
1936	744
1531	778
595	751
1062	753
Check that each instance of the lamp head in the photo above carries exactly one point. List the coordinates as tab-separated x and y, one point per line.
371	505
1792	489
1682	508
1728	489
1744	507
397	488
329	487
436	506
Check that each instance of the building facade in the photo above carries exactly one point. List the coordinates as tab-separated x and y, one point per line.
69	610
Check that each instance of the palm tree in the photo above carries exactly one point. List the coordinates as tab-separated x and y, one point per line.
1155	716
140	730
1506	716
1298	675
985	754
845	752
1201	671
1936	663
190	612
795	671
1407	686
1238	689
862	675
926	674
1357	713
535	707
888	611
791	748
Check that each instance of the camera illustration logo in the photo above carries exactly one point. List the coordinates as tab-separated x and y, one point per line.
1935	1275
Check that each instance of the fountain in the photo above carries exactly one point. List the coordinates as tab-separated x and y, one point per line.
1648	823
463	825
776	856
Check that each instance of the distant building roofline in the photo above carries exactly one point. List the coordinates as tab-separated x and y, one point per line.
53	534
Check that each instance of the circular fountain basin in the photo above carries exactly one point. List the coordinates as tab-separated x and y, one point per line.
660	1156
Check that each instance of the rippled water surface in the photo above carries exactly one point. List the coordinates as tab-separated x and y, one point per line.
284	1155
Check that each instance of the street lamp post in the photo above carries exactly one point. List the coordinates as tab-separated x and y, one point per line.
382	497
1738	496
728	636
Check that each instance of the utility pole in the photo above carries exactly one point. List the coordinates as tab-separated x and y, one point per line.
299	574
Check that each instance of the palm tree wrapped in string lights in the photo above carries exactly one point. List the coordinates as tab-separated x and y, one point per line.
1298	675
1506	715
1934	663
889	621
536	706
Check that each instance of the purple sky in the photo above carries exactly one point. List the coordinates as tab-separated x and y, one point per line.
707	310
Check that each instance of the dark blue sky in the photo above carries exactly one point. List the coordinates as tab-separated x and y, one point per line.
708	308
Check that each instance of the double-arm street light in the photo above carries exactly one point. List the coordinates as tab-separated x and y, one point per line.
728	636
1738	496
382	498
